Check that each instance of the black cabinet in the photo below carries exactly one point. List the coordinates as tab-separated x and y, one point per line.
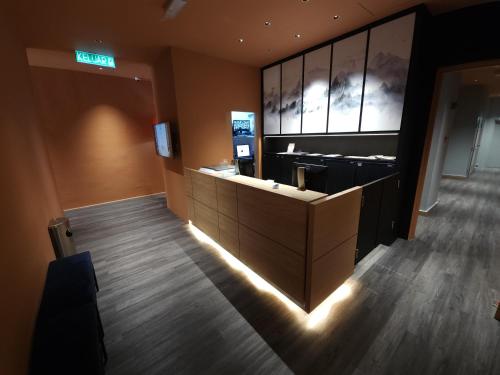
341	175
287	168
271	167
378	215
367	172
278	168
368	219
389	211
310	160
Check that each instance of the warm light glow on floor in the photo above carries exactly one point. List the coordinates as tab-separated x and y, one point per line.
314	320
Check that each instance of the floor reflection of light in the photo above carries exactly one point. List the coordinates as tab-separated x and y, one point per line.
312	321
320	314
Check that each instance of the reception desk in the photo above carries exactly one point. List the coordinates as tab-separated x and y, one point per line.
302	242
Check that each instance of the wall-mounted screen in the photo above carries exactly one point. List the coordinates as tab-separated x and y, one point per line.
162	139
316	89
272	99
242	127
386	74
346	86
291	96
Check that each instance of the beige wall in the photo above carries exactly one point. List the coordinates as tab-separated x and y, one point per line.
27	200
207	89
98	131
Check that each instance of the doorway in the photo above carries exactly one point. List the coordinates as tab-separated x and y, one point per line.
244	142
462	130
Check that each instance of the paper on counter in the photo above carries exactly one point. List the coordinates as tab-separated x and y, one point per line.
333	156
383	157
361	157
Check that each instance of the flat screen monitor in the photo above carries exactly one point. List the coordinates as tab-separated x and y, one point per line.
243	150
242	127
162	139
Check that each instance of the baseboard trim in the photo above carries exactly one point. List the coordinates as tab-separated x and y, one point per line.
455	177
428	211
116	201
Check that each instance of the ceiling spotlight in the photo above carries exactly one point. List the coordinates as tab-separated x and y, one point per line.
172	8
336	17
241	40
298	36
137	78
267	23
98	41
100	68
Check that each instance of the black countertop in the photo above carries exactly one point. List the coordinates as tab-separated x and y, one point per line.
325	158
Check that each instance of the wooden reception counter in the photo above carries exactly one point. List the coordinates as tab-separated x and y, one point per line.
303	242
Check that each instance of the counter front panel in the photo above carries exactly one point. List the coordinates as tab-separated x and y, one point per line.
300	241
280	218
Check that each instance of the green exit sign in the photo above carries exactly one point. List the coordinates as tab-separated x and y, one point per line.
95	59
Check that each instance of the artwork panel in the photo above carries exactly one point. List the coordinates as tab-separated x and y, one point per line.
291	95
346	85
271	98
386	75
316	90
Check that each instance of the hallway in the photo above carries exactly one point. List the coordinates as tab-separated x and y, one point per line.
419	307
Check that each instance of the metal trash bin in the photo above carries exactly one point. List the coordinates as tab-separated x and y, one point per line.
61	237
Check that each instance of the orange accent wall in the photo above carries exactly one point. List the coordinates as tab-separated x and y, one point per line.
27	199
98	131
207	90
204	90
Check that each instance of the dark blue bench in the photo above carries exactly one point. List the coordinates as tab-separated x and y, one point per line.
68	336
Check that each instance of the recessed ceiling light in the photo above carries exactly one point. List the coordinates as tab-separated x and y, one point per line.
267	23
137	78
100	68
336	17
476	81
241	40
298	36
99	41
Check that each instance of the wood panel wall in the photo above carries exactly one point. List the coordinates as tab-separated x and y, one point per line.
332	238
306	249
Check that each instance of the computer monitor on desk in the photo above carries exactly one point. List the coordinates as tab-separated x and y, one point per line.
316	176
243	151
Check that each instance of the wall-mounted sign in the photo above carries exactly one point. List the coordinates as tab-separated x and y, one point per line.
95	59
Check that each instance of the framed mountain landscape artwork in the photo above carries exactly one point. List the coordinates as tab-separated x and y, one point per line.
346	85
272	99
316	89
388	62
291	95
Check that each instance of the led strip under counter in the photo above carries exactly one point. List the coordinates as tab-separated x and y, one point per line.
301	243
315	320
